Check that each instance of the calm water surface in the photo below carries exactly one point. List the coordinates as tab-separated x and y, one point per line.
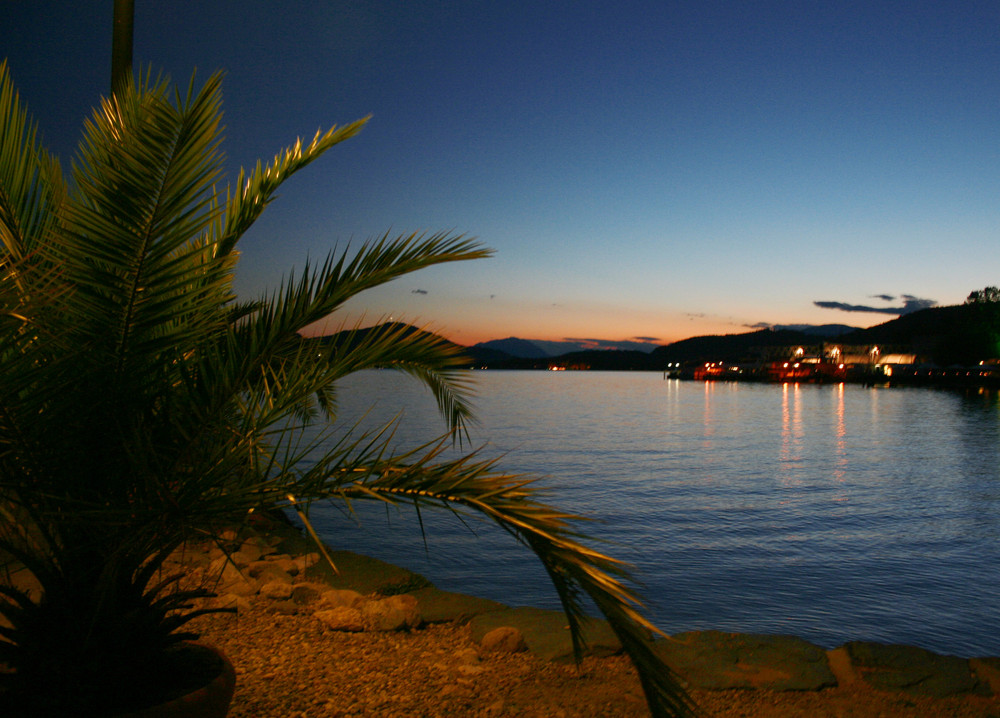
833	513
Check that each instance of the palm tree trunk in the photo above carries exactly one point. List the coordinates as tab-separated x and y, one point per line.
121	42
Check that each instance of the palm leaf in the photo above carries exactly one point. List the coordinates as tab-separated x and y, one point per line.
422	478
427	356
270	334
30	179
132	242
254	190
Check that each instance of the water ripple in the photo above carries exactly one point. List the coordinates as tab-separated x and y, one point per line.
830	512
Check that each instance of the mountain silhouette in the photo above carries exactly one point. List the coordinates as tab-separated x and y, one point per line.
964	334
513	347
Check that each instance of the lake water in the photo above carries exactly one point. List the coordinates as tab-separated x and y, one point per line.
830	512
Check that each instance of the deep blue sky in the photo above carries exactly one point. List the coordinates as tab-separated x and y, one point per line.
643	169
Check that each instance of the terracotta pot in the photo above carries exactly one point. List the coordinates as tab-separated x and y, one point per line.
210	701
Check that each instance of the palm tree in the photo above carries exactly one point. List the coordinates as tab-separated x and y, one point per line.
123	20
141	403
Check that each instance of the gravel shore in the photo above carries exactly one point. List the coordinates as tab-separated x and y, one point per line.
290	666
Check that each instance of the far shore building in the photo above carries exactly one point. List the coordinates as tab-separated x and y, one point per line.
829	361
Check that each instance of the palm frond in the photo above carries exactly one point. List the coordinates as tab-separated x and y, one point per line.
428	357
268	340
255	190
314	295
132	244
468	482
30	179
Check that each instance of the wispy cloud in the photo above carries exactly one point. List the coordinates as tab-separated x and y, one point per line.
910	304
635	343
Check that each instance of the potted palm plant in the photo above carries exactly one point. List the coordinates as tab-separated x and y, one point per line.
142	404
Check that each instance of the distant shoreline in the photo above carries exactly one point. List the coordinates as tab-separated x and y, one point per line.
965	378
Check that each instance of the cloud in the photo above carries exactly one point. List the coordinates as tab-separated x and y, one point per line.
590	343
910	304
635	343
914	304
419	291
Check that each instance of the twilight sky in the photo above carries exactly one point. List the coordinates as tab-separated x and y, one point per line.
642	168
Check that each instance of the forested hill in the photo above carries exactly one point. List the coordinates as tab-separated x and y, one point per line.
728	347
964	334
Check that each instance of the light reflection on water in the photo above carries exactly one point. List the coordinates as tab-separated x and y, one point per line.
830	512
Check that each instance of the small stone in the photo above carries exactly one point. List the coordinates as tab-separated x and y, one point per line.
230	580
285	608
402	602
342	618
505	639
240	587
467	655
288	565
305	593
267	571
393	613
547	634
342	597
254	547
244	558
276	590
304	562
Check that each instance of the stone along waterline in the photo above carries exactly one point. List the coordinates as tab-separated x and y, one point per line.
834	513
